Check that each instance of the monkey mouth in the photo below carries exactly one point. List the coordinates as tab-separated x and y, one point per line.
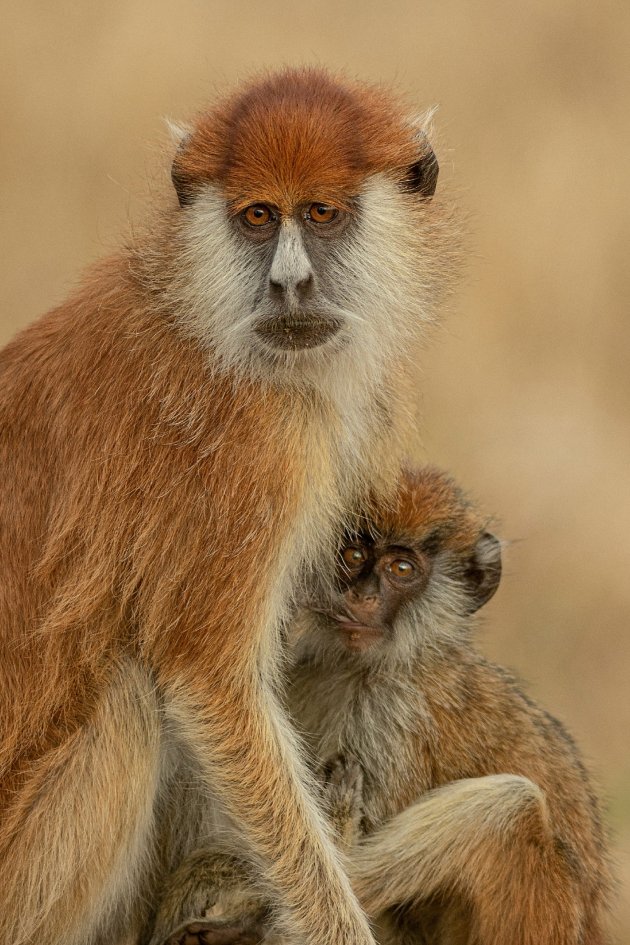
291	333
357	636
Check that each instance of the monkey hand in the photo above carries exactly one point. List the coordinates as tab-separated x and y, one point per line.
343	798
209	886
244	930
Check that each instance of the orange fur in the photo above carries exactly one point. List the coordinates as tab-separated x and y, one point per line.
428	500
156	508
475	822
327	135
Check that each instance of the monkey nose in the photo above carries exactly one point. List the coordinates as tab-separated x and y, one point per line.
364	597
300	288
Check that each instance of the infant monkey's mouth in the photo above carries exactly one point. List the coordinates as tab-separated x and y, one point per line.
293	333
357	635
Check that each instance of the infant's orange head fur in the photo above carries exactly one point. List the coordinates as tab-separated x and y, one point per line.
428	502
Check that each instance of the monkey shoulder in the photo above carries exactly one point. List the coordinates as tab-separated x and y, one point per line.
482	721
491	725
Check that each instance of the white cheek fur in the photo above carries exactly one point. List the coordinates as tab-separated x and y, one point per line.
380	278
220	280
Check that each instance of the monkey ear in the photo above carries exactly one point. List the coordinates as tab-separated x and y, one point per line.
180	135
421	177
483	571
178	131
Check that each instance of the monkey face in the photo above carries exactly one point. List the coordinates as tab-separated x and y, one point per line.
376	579
304	301
395	594
311	244
296	309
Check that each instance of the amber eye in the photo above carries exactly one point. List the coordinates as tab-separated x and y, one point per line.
322	213
354	556
257	215
401	568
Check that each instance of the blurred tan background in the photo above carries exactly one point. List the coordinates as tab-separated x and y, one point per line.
527	390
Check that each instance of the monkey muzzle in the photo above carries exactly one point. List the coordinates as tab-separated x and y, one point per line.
356	635
291	333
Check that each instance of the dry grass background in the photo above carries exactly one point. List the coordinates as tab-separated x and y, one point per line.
527	387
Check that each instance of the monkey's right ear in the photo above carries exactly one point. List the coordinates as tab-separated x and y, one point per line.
421	177
180	135
483	571
179	132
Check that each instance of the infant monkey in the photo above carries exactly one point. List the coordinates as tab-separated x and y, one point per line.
473	813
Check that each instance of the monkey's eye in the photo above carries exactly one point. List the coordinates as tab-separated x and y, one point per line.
401	568
354	556
257	215
321	213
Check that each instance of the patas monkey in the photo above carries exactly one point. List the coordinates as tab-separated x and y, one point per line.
479	821
179	442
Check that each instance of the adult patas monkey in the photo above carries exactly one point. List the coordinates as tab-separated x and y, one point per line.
236	379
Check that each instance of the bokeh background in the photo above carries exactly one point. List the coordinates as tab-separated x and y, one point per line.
527	384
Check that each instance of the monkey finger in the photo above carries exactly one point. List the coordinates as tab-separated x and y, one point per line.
343	788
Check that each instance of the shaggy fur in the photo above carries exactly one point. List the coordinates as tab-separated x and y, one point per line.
165	484
480	824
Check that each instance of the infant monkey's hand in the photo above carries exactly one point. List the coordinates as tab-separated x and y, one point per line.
213	882
343	798
245	930
209	894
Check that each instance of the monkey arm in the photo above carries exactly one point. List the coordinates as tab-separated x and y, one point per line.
343	799
215	666
487	839
71	829
254	767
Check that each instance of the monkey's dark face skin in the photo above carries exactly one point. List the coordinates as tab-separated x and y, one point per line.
298	304
375	580
380	579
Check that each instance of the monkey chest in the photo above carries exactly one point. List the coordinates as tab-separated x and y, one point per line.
386	730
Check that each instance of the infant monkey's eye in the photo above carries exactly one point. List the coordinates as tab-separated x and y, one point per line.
401	568
354	556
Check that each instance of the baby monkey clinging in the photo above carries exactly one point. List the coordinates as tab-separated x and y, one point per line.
388	566
475	820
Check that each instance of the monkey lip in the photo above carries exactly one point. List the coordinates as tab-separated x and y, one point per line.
295	333
357	636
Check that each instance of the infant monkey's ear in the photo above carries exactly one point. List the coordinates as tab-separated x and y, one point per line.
483	571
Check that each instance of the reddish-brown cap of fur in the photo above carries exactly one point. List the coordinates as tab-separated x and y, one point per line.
297	136
428	502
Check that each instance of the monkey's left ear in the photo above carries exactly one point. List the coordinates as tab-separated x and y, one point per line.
483	571
421	177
